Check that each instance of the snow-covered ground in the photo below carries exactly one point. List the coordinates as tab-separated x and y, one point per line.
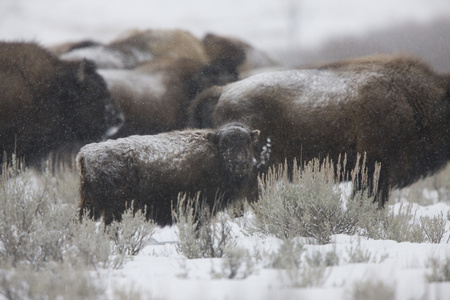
164	274
278	27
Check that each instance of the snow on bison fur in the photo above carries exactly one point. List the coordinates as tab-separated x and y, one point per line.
152	170
136	47
47	104
393	108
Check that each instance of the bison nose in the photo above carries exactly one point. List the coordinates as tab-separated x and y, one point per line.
240	166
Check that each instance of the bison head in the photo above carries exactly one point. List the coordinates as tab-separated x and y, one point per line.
87	109
235	144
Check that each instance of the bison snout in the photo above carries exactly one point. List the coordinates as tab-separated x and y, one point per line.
239	167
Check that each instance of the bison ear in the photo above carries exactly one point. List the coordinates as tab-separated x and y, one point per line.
85	67
213	137
255	135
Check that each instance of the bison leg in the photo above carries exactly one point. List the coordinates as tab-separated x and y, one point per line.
88	204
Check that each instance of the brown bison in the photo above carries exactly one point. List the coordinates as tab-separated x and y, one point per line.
138	47
394	109
47	104
154	96
245	56
153	170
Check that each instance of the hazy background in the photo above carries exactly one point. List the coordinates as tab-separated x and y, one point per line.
295	32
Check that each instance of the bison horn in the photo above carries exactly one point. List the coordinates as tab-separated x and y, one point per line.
81	71
255	135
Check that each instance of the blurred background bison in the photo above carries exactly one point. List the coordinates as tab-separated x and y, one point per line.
154	74
134	47
47	104
154	96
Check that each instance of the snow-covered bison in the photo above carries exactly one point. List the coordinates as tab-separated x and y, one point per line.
393	108
152	170
47	104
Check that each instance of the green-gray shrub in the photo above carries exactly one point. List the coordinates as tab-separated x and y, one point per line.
308	206
201	235
356	255
433	228
132	233
440	269
56	281
90	245
288	255
371	289
237	264
297	268
34	226
320	259
46	252
311	206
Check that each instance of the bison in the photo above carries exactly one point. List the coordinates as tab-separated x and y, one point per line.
245	56
137	47
152	170
155	95
395	109
47	104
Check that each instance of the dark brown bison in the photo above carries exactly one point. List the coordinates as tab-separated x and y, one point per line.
47	104
394	109
245	56
153	170
137	47
154	96
229	60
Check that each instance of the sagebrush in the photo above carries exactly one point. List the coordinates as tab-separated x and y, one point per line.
201	235
41	235
311	204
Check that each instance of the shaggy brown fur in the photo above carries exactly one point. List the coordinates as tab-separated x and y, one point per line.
46	103
152	170
395	109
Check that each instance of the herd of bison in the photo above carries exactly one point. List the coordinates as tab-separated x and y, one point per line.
156	113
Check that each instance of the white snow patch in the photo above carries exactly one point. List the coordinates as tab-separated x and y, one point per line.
138	82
